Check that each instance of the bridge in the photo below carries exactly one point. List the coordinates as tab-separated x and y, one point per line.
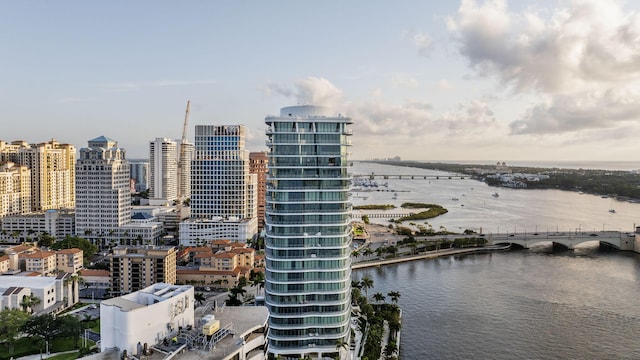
373	176
569	240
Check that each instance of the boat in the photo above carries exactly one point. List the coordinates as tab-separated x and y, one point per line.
612	210
495	195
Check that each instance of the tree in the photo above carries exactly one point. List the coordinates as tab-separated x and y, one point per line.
366	283
42	327
341	344
46	240
69	327
199	298
88	249
378	297
28	302
258	281
394	295
11	321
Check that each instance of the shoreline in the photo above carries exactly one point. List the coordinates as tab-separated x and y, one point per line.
424	256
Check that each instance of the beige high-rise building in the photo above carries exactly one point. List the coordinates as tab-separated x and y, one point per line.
52	166
135	268
163	169
15	189
258	162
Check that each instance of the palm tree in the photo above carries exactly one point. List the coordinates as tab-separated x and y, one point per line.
29	301
378	297
258	281
199	297
341	344
394	295
366	283
367	252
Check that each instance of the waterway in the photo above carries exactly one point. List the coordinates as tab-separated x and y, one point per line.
527	304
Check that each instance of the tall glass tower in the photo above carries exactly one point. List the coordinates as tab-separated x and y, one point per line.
308	233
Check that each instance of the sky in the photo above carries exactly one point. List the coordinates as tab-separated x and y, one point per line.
424	80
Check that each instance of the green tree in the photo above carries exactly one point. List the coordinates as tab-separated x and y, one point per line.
199	298
258	281
378	297
11	321
45	240
366	283
394	295
42	326
28	302
88	249
69	327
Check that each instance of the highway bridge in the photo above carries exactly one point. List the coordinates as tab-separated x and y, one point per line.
409	177
569	240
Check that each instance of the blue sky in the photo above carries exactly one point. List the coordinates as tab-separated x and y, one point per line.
424	80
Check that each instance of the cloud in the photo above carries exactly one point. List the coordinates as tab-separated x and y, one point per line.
311	90
590	43
405	81
444	85
473	117
423	43
580	111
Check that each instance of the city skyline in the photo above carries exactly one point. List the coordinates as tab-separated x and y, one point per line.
470	80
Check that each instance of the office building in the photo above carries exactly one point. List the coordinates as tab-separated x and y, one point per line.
163	167
258	165
27	227
139	170
223	192
308	233
103	202
135	267
52	166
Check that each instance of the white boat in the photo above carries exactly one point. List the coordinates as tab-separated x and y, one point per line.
495	195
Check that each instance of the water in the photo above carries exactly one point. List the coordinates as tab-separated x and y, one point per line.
529	304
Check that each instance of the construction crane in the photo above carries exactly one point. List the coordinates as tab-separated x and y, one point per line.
182	161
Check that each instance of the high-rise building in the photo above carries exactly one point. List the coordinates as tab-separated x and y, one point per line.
103	202
52	166
163	166
135	268
185	171
258	165
15	189
308	233
139	170
223	192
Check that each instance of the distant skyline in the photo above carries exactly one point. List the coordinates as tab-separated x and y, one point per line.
452	80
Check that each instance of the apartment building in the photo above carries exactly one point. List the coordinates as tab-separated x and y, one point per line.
135	267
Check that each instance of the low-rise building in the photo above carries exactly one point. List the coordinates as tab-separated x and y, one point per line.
69	260
54	294
20	228
42	262
146	316
133	268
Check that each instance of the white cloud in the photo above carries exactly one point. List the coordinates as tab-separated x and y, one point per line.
579	111
474	117
590	43
400	80
444	85
311	90
423	42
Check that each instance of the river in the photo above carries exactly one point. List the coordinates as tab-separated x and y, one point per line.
527	304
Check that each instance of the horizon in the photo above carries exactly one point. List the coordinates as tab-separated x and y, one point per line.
466	79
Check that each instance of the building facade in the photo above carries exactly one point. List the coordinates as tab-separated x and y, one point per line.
163	166
258	165
15	189
52	167
139	173
308	233
223	192
146	316
103	195
21	228
134	268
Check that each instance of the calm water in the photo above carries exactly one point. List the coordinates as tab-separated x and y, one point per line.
529	304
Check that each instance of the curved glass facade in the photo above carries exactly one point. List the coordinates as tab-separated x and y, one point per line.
308	232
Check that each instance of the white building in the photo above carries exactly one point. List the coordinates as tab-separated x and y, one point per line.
185	176
145	317
20	228
221	186
308	233
55	293
103	202
163	167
